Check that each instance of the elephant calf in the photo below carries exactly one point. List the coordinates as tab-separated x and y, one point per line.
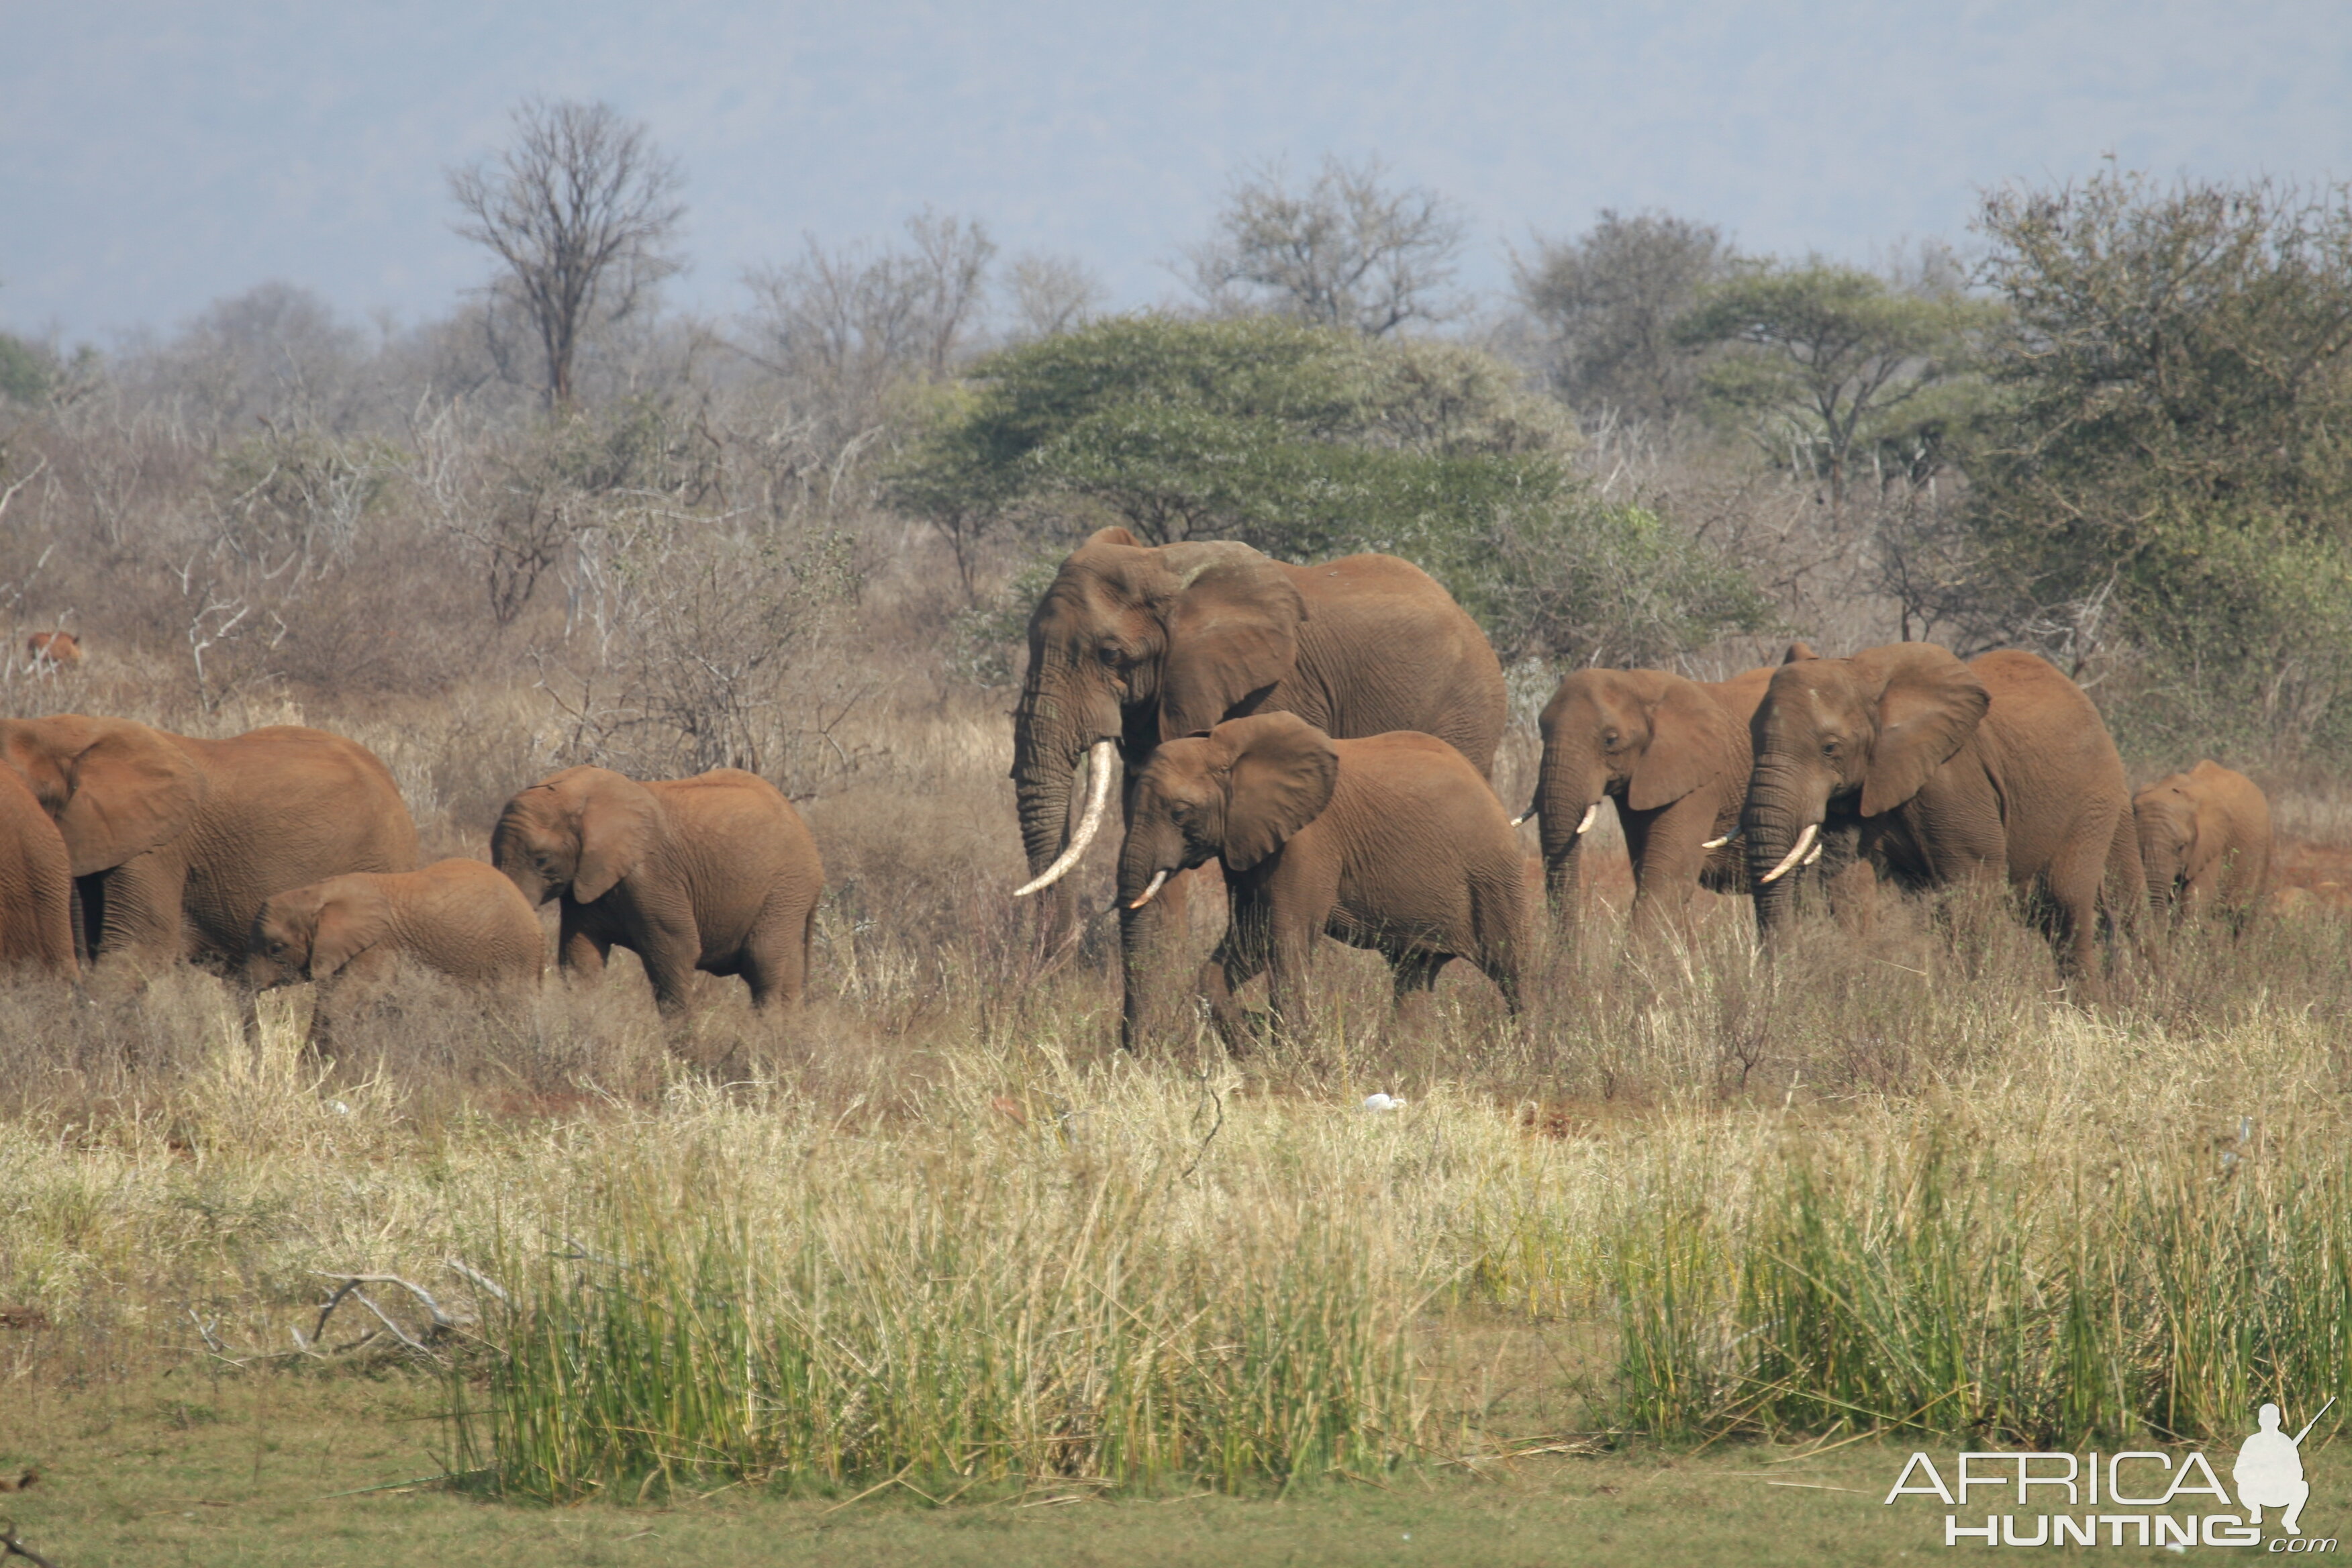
2204	842
716	872
348	933
1394	843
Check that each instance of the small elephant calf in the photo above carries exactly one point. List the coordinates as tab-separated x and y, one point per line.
2204	842
716	872
348	933
1392	843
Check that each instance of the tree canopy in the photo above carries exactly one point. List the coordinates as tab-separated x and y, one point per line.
1310	442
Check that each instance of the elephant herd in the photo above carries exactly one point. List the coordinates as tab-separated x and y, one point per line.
1325	735
287	854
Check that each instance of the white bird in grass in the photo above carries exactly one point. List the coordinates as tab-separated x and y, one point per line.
1383	1102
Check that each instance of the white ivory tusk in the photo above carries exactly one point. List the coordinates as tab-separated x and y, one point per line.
1790	861
1097	796
1522	817
1719	843
1144	898
1590	812
1817	852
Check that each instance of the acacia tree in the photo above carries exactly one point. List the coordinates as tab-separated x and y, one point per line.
1347	251
579	211
1831	359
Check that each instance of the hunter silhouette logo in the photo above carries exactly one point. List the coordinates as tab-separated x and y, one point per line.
2269	1471
2126	1499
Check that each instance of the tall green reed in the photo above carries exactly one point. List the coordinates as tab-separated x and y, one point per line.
952	1331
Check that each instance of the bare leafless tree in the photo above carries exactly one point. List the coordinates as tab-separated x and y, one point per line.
855	317
581	211
1347	251
1047	295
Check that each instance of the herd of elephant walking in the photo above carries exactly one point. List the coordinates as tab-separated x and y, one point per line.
1325	734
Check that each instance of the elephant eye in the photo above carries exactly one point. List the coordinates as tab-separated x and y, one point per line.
1108	654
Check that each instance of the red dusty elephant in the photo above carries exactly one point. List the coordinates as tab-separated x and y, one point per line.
716	873
36	884
1672	755
1392	843
2205	842
175	842
1945	771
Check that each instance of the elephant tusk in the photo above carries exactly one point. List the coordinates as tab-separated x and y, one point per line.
1159	880
1719	842
1790	861
1533	806
1590	812
1817	851
1098	763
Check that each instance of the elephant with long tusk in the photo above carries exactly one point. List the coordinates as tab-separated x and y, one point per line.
1133	645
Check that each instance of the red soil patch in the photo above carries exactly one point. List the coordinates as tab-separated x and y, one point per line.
2303	871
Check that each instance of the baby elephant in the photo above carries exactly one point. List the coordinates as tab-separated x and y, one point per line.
716	872
2204	842
1392	843
348	933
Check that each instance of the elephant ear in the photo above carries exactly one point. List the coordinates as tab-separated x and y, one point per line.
1232	619
341	934
1799	651
1112	536
1689	737
129	790
1280	778
1928	706
616	829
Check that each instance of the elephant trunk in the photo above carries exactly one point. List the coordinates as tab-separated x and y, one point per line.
2160	863
1050	733
1780	827
1567	797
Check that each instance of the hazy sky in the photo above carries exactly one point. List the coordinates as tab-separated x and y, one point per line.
156	155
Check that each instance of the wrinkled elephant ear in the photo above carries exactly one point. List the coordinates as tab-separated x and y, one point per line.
616	829
1279	779
1690	738
1233	621
1928	706
341	934
128	791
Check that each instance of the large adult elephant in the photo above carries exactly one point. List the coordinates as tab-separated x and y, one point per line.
1945	773
1672	754
1131	646
174	843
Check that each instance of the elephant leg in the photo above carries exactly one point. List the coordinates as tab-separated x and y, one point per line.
669	961
1241	957
1153	1000
1667	860
1289	1012
775	961
2072	883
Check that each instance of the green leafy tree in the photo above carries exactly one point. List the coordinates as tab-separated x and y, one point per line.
1832	364
24	370
2169	455
1305	442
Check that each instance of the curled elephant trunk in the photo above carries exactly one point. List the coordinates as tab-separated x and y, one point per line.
1100	764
